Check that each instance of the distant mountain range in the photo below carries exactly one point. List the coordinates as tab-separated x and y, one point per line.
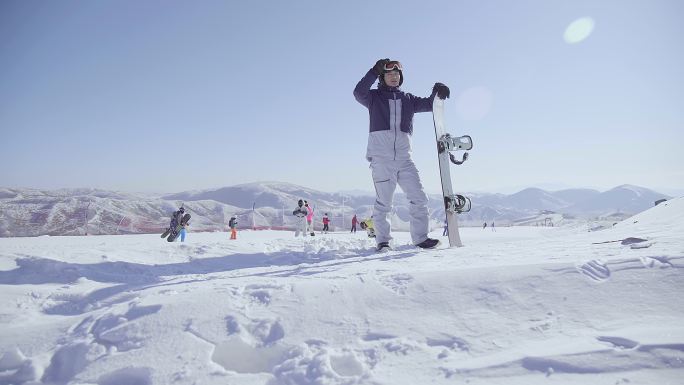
32	212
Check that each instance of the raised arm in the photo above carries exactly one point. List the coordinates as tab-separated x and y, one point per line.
362	89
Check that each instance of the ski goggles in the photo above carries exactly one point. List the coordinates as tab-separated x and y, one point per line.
392	65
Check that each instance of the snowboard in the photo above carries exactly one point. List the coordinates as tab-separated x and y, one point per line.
370	231
173	232
453	203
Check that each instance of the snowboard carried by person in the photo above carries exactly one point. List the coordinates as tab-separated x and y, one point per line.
179	219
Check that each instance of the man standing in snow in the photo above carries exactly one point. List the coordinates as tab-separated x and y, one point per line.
300	212
354	222
389	148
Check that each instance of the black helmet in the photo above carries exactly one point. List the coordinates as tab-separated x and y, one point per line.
392	65
182	209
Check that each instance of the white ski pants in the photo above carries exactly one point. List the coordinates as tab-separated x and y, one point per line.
300	226
386	175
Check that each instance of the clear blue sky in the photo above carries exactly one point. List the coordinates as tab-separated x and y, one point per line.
168	96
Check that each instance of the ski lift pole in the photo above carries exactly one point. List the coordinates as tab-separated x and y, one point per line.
343	199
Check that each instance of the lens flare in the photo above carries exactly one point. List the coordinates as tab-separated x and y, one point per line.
474	103
578	30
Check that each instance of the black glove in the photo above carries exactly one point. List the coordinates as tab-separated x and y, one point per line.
379	67
441	90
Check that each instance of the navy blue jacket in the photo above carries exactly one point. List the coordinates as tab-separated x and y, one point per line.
391	118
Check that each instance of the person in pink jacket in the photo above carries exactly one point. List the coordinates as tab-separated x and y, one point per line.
309	218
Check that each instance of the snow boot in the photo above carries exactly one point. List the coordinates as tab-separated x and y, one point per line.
429	243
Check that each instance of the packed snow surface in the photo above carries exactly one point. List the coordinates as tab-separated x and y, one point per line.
516	305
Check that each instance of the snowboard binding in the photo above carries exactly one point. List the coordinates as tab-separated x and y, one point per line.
460	143
457	203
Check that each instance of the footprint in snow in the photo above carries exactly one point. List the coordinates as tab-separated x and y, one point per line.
259	332
595	270
397	283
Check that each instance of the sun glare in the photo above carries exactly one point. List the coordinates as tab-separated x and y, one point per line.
474	103
578	30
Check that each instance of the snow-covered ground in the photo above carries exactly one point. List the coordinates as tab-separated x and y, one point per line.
519	305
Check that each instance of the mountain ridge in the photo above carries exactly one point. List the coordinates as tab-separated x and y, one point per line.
32	212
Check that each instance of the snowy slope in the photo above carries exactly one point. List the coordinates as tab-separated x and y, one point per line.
520	305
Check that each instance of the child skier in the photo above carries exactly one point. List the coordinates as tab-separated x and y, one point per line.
367	224
389	148
300	212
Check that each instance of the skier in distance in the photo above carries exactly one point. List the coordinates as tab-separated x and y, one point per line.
300	224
